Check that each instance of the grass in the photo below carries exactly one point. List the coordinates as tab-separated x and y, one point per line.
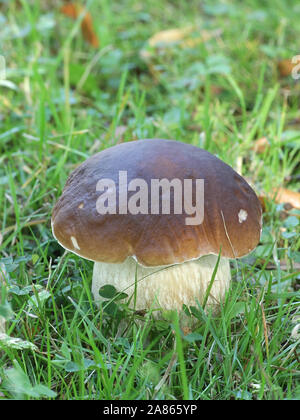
63	101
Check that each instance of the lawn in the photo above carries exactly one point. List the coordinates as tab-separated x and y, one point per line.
222	81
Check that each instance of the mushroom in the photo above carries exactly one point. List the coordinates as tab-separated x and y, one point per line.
156	216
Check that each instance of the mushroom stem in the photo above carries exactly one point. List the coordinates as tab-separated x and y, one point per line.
167	287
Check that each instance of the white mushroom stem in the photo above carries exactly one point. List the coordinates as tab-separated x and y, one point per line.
167	287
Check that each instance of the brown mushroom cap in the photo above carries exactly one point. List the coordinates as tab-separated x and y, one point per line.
157	239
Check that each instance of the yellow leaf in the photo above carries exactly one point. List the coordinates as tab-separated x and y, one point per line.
169	36
182	36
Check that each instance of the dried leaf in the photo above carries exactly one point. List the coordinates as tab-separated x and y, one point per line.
261	145
285	67
70	10
73	11
284	195
88	31
169	36
181	36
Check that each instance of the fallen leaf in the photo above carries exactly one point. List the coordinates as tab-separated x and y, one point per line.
285	67
284	195
261	145
73	11
70	10
88	31
182	36
169	36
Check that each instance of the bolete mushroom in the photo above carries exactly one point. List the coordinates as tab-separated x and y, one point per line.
156	214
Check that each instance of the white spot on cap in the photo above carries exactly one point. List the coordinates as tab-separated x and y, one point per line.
242	215
75	243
